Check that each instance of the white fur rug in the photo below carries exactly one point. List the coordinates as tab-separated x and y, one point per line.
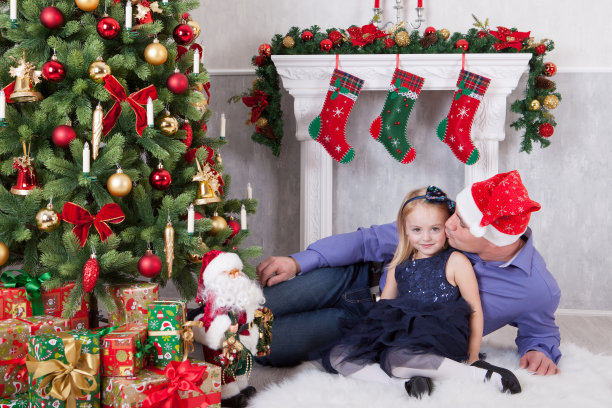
585	382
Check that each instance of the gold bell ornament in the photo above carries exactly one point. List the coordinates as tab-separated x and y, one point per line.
98	70
25	75
168	124
169	246
47	219
208	184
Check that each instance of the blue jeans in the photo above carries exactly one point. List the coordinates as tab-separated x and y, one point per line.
308	308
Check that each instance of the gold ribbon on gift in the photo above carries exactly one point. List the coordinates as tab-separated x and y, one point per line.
67	380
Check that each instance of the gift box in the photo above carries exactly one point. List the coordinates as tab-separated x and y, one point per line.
166	319
13	349
45	324
131	392
20	401
53	359
132	302
123	350
54	300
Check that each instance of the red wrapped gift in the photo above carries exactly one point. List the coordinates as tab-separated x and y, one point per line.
123	350
53	302
13	349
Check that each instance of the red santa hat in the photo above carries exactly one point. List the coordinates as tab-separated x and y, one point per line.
497	209
214	263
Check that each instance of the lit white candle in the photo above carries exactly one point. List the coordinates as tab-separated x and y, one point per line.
13	11
196	62
222	133
128	15
86	159
150	112
2	104
190	219
249	191
164	1
243	218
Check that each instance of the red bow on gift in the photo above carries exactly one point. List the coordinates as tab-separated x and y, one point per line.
509	38
257	102
79	216
183	376
136	101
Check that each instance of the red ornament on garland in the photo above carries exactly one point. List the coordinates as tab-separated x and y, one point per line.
235	226
53	71
177	83
389	42
326	45
260	60
150	265
160	178
550	69
540	49
462	45
430	30
546	130
63	135
265	50
335	37
482	34
52	18
91	271
307	36
183	34
108	27
189	136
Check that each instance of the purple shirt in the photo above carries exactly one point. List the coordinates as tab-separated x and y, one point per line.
520	292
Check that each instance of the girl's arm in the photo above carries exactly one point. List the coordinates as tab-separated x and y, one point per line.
462	273
390	290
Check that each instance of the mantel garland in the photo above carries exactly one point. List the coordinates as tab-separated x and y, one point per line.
534	108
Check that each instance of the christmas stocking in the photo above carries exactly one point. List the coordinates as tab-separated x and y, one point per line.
329	127
456	129
390	127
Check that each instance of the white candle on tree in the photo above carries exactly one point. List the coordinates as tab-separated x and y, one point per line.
190	219
222	132
196	62
13	10
128	15
2	104
243	218
150	112
86	159
249	191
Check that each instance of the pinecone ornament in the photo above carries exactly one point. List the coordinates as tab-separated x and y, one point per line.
544	83
429	40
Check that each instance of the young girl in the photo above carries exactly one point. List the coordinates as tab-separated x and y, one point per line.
429	319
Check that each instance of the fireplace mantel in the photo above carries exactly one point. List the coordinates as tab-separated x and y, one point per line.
306	78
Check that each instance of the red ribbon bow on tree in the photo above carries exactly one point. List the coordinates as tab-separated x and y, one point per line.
75	214
8	91
136	101
257	102
509	38
183	376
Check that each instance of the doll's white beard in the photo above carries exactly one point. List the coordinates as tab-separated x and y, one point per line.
239	293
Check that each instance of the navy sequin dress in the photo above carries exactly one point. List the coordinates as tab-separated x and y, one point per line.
427	316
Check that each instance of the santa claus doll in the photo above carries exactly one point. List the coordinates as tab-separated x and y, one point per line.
231	312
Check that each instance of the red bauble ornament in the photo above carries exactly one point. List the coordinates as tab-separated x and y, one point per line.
160	178
91	271
183	34
150	265
260	61
482	34
550	69
326	45
335	37
540	49
265	50
430	30
235	226
63	135
52	18
108	27
389	42
196	46
546	130
462	45
307	36
189	136
177	83
53	71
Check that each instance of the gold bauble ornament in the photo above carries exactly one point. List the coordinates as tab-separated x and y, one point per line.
288	42
4	253
195	27
550	102
261	122
195	258
534	105
87	5
98	70
402	38
168	124
445	34
155	53
119	184
48	219
218	224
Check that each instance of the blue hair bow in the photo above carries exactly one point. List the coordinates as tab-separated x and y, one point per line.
434	195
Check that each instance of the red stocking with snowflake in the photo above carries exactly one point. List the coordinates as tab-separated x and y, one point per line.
455	130
329	127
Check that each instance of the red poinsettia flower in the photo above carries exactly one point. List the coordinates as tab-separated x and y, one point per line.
257	102
365	35
509	38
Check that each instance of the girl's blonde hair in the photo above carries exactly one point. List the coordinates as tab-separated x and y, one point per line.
404	249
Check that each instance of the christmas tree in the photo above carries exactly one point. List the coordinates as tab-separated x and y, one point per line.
118	80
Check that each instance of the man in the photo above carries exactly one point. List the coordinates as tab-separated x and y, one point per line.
490	226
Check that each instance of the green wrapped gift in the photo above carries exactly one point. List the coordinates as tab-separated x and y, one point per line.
19	401
64	370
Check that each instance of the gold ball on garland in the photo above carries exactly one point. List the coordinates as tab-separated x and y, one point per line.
155	53
119	184
195	27
261	122
445	34
402	39
87	5
48	219
534	105
288	42
549	69
218	224
98	70
4	253
551	102
168	124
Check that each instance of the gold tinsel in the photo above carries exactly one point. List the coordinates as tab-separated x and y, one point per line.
288	42
402	38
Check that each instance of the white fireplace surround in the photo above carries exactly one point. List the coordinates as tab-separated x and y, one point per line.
306	78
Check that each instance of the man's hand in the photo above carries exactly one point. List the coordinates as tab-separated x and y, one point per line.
277	269
536	362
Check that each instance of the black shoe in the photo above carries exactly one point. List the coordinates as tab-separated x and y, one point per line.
418	386
237	401
249	391
509	381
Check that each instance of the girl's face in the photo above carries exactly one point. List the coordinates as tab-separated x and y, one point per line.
425	229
